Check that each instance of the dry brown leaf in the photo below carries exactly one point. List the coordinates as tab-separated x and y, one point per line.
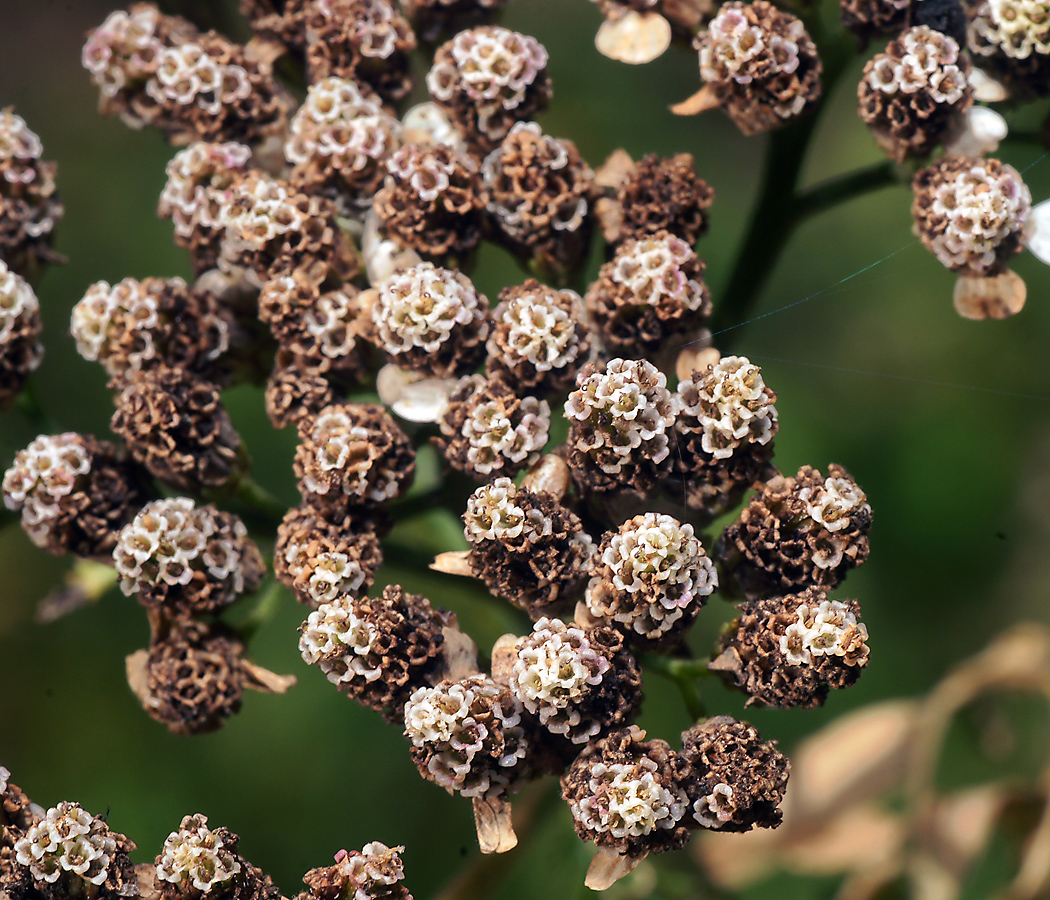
492	819
704	99
990	298
608	867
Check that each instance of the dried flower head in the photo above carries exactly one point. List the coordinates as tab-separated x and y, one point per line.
867	17
175	425
724	433
353	454
197	856
186	559
431	320
619	417
488	429
193	195
527	547
67	850
652	289
29	206
74	493
657	194
579	682
468	736
317	329
1012	38
272	229
157	321
194	683
433	200
487	79
377	650
539	190
159	70
913	94
431	17
373	873
539	337
971	213
740	779
626	794
340	139
294	392
797	532
21	351
653	578
790	651
761	64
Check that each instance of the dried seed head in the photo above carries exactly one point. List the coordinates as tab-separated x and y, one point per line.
527	547
29	206
619	417
658	194
198	860
487	79
740	779
579	682
800	532
762	64
175	425
539	188
433	200
539	337
867	17
653	578
431	320
74	493
373	873
353	454
789	651
68	849
295	392
193	195
340	139
467	736
653	289
377	650
318	329
194	683
487	429
271	229
1012	37
915	93
186	559
157	321
21	351
431	17
626	794
724	432
971	213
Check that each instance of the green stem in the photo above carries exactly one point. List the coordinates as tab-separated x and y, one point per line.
267	601
686	675
28	403
257	498
838	190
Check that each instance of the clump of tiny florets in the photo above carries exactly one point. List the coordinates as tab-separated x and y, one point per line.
724	433
652	290
294	392
790	651
527	547
186	559
487	79
971	213
761	64
74	493
431	320
29	206
197	857
653	578
377	650
21	351
468	736
539	337
1012	38
797	532
579	682
373	873
912	95
619	419
739	778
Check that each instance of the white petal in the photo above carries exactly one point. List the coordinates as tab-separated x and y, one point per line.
634	37
990	298
383	256
979	133
428	122
1038	228
985	88
412	397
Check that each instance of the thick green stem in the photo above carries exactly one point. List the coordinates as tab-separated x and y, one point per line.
838	190
686	675
253	495
267	602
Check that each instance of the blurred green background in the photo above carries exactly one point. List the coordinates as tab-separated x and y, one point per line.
953	459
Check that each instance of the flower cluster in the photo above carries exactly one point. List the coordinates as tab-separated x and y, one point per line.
20	349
